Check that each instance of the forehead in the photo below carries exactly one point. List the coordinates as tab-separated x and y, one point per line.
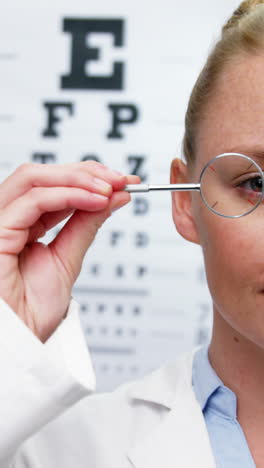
233	120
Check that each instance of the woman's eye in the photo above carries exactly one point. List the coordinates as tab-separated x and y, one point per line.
255	184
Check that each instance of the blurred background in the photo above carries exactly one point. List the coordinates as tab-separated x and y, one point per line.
110	80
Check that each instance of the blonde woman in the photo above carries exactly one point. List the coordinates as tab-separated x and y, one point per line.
205	410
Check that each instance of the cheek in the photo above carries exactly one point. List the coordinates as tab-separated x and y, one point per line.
234	260
225	249
233	253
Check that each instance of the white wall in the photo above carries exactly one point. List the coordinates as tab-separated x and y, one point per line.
141	305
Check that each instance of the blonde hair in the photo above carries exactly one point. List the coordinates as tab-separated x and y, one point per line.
242	34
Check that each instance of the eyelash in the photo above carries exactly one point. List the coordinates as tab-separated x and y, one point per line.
248	180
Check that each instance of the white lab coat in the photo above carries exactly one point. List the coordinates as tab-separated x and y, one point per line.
49	419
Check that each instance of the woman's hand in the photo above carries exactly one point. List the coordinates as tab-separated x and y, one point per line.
36	279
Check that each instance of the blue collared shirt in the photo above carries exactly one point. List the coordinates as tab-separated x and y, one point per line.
219	406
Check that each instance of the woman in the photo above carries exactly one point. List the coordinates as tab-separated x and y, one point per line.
207	408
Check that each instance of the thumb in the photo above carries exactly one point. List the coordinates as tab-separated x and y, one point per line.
76	236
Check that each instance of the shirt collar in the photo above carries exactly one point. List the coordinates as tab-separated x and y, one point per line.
209	389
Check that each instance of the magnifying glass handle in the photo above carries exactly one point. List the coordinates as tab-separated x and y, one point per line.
172	187
136	188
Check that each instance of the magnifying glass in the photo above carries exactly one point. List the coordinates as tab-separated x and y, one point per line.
231	185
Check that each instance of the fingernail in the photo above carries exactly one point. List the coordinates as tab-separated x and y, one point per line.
116	206
102	185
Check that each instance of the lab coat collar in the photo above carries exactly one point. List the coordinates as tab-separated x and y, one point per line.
165	384
181	438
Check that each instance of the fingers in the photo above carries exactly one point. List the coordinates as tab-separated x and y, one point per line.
79	233
133	179
36	197
88	175
119	199
23	213
26	210
45	223
49	220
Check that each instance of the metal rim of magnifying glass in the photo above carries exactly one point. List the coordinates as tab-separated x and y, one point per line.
221	156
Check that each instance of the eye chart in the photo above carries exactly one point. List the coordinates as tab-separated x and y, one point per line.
110	81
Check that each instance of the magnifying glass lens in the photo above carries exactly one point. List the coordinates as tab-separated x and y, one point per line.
232	185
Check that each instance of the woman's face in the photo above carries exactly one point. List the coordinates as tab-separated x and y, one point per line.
233	248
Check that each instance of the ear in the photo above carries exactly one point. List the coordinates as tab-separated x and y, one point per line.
182	203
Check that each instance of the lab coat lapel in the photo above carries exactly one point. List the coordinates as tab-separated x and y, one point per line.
181	439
